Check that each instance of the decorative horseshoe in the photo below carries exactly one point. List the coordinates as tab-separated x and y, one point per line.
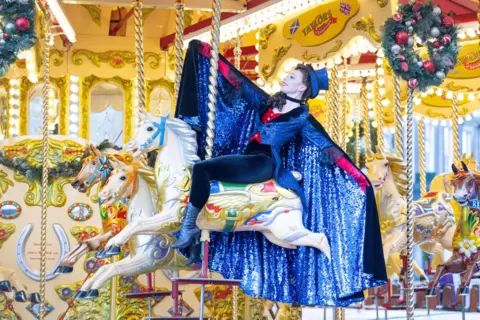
22	243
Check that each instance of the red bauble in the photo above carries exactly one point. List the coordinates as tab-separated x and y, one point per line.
448	21
401	38
398	17
417	6
5	36
404	66
429	66
436	44
22	24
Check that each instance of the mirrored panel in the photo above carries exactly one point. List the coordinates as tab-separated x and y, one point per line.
35	114
160	101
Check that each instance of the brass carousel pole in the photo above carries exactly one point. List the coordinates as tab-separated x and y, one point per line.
237	51
399	148
139	58
410	212
422	157
179	30
335	104
379	117
343	119
45	164
366	124
357	134
455	132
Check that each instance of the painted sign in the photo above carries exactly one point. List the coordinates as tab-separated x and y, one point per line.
468	63
321	24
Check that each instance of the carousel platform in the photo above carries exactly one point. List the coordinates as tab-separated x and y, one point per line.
362	314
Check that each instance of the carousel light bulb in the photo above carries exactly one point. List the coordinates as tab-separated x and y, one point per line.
423	94
380	53
257	47
356	73
460	96
462	35
426	120
12	101
74	98
460	121
369	86
379	61
257	58
369	95
439	92
257	35
12	121
381	81
51	93
468	118
476	113
257	69
382	91
260	82
74	118
449	95
73	128
372	72
374	124
385	102
417	101
471	33
435	122
418	117
381	72
74	108
370	105
443	123
329	64
430	91
364	73
338	60
471	97
74	88
51	112
371	114
12	131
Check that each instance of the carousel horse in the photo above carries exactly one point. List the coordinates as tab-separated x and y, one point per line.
466	242
97	168
9	283
434	222
150	251
265	207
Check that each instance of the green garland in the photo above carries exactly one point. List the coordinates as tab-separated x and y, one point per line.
62	169
17	30
434	30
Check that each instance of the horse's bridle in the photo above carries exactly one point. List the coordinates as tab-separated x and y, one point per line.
102	169
160	131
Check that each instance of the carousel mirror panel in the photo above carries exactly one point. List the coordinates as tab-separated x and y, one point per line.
106	118
35	105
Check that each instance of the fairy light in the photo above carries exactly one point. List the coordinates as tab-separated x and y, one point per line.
14	106
73	108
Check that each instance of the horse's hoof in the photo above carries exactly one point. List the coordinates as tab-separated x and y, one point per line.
80	295
67	269
21	296
35	298
5	286
113	251
92	294
464	291
432	292
58	270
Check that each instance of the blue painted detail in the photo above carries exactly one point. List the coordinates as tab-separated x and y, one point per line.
215	187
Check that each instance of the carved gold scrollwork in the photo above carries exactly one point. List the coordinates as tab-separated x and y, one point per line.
265	34
382	3
25	86
5	182
269	69
116	59
62	85
57	61
95	12
6	230
434	114
367	25
453	87
86	87
310	56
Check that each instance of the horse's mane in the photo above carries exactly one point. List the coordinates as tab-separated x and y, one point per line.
187	137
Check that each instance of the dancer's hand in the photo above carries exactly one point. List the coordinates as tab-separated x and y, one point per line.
354	172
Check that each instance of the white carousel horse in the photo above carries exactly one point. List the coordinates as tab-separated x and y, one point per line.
149	251
265	207
10	284
434	222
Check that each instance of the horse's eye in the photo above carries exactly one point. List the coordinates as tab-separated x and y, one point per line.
94	163
386	164
123	178
150	129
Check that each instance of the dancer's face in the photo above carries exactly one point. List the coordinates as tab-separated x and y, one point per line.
293	83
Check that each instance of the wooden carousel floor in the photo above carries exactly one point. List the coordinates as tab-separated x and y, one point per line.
356	314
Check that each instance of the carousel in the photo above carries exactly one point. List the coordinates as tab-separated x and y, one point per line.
338	140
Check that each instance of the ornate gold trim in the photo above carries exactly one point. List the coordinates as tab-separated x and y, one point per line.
265	34
4	82
57	61
309	56
95	12
25	86
62	85
367	25
453	87
269	69
116	59
434	114
152	84
382	3
86	86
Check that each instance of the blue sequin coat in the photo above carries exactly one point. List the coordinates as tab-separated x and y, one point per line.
333	201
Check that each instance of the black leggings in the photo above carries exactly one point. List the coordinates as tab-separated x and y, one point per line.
252	168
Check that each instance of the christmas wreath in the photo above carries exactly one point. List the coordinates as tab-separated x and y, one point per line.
432	29
17	30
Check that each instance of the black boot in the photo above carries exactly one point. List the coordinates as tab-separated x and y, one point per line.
189	228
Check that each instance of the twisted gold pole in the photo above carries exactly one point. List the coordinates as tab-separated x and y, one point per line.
366	123
179	30
422	157
378	103
339	314
343	120
335	104
45	165
139	58
237	51
235	303
212	87
357	135
398	120
328	111
455	132
410	212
